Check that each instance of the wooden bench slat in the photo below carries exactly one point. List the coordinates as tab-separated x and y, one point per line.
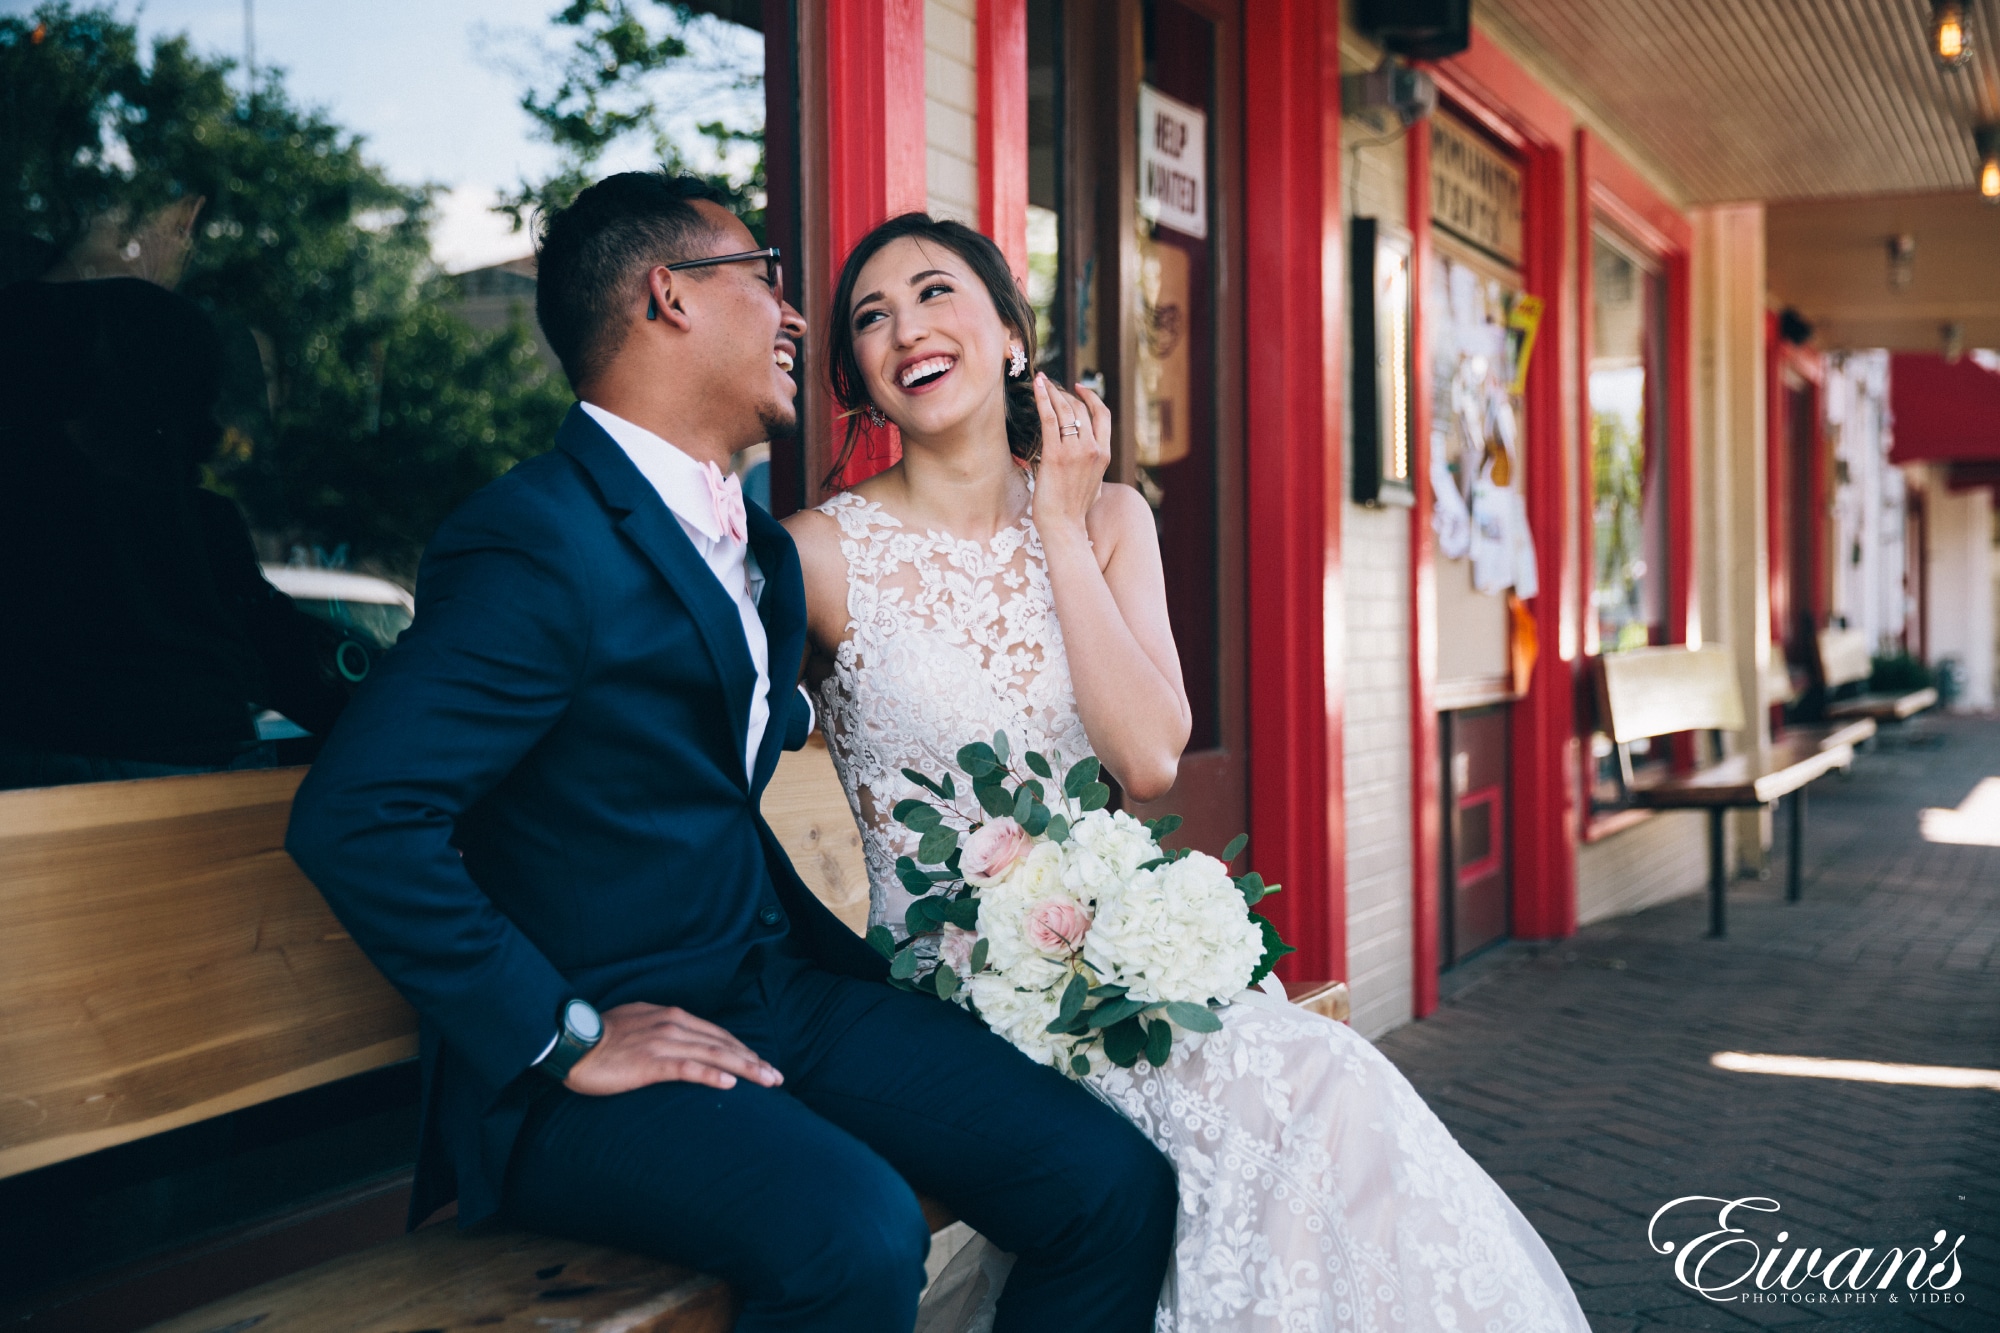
1885	707
1794	762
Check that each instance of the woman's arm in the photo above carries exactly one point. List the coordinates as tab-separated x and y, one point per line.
1111	600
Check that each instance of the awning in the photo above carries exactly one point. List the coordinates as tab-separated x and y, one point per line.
1944	411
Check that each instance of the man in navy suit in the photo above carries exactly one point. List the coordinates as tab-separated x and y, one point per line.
541	821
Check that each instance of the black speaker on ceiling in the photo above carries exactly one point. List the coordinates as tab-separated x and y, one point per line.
1416	29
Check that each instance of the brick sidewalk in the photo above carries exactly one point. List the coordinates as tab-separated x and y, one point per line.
1578	1073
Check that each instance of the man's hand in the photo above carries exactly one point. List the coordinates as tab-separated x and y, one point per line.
649	1043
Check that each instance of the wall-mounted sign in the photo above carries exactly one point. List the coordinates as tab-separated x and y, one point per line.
1164	432
1173	163
1475	191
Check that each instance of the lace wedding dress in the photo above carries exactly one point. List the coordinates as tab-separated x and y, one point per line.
1318	1192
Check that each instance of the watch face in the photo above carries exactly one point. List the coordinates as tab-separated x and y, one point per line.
581	1019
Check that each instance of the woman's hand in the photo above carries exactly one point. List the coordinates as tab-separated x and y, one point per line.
1076	449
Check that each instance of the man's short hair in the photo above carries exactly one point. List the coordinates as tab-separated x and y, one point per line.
591	255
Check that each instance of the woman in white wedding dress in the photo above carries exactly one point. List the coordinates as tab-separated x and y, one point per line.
991	582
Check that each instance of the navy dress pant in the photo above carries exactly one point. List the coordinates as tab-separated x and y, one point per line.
802	1195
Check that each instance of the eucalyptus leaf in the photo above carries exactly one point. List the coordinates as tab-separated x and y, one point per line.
1235	847
1072	999
936	911
1080	776
976	756
937	845
1111	992
915	880
1038	765
1193	1017
995	801
979	949
922	819
1251	886
1058	828
1037	822
944	981
1000	746
1114	1011
915	920
882	940
948	789
1079	1065
1024	805
904	965
926	783
1274	949
1124	1042
1095	796
963	913
1159	1043
1155	863
1165	825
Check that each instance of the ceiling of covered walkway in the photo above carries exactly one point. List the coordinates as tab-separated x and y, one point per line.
1773	99
1831	112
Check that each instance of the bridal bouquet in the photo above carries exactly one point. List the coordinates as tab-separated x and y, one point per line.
1066	927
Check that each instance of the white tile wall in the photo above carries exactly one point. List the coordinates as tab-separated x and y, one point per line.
1665	857
1375	555
951	105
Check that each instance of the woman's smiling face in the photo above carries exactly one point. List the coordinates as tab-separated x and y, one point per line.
930	345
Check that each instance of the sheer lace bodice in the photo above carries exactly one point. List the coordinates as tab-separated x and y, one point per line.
1318	1192
948	641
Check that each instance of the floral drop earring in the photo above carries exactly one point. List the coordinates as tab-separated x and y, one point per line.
875	416
1017	361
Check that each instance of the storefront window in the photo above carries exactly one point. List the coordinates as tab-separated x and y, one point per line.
1627	457
248	372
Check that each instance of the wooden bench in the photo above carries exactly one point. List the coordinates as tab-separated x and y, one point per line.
162	961
1651	692
1844	660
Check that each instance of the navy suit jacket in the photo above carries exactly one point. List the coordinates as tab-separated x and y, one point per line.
541	794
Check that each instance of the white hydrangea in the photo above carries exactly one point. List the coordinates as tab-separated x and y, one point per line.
1178	932
1105	849
1003	912
1021	1016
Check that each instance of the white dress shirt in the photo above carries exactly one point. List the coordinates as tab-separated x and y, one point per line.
683	485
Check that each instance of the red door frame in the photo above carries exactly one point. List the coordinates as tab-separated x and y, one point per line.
1609	190
1491	90
873	72
1426	810
1292	393
1785	586
1002	132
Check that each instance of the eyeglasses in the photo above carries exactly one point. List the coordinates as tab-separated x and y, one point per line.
774	272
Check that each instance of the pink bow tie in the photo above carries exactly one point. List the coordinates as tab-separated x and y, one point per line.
727	493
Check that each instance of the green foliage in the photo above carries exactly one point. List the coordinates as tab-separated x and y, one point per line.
607	89
371	411
1900	675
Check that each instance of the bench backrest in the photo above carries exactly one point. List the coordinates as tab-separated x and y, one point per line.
1844	657
163	961
1658	691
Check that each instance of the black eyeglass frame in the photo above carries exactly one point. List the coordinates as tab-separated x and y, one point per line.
774	269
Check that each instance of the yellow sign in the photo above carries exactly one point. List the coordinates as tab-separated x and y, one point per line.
1475	191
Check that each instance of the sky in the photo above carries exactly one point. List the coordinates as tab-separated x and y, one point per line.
432	86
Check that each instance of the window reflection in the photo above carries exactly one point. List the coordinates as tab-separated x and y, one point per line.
1628	491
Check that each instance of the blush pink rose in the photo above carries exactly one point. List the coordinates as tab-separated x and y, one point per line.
992	850
955	947
1057	927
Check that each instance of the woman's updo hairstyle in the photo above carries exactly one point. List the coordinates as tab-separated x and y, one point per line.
983	257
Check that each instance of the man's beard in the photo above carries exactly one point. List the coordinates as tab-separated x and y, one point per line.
780	421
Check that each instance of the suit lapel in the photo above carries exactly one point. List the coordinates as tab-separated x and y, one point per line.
652	527
783	611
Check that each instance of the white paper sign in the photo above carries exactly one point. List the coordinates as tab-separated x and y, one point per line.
1173	163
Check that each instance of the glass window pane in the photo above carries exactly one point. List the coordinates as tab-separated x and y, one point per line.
1628	527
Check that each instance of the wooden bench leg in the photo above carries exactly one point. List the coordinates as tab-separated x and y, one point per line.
1798	841
1718	873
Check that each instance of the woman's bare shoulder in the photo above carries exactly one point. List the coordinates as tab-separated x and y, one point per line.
1120	513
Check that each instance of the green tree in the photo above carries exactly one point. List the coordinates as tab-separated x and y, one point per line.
620	80
373	412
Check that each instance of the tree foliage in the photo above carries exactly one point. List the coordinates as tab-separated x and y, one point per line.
621	80
364	411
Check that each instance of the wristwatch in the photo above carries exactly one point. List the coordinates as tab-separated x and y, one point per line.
578	1030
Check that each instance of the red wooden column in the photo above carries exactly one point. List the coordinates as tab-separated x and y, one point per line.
1002	132
874	80
1426	813
1293	312
1487	85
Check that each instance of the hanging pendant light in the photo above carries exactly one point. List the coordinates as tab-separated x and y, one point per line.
1987	139
1951	41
